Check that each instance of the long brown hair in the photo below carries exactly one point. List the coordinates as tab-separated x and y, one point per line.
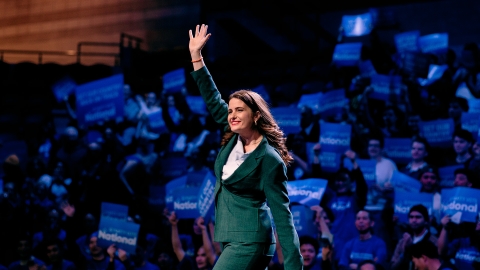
266	124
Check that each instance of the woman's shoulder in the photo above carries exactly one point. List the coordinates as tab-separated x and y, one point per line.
272	155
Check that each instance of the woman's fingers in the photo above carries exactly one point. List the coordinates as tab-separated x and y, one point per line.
190	33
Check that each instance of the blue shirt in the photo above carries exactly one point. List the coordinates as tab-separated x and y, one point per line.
357	250
66	265
16	265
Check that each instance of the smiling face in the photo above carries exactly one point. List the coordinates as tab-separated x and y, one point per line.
240	117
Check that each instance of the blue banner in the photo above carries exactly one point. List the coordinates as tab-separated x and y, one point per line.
197	104
438	132
366	68
434	43
368	168
404	182
156	195
407	41
123	234
471	122
435	72
308	191
262	91
113	210
357	25
398	149
347	54
460	203
332	103
185	202
63	88
384	86
174	81
405	200
206	197
173	167
447	178
156	123
335	140
303	220
100	100
310	100
288	119
170	187
474	105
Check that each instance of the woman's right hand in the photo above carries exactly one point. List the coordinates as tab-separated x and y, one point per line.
198	41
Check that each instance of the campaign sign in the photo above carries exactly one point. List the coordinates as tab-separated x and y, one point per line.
197	104
384	86
434	43
471	122
404	182
366	68
156	194
332	103
357	25
63	88
122	233
447	178
368	168
174	81
435	72
170	187
185	202
416	63
474	105
308	191
113	210
335	140
438	132
461	203
303	220
156	123
310	100
206	197
173	167
398	149
288	119
100	100
347	54
407	41
405	200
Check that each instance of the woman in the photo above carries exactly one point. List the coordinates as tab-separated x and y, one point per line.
250	169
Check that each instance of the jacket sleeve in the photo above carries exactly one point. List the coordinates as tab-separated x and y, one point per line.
275	188
217	107
361	188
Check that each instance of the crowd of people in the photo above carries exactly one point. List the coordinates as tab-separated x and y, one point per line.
51	202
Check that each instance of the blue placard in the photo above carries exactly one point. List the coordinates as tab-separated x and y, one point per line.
461	203
332	103
384	86
471	122
156	195
357	25
308	191
170	187
447	178
438	132
303	220
196	178
335	140
185	202
407	41
288	119
113	210
366	68
206	197
156	122
347	54
398	149
434	43
173	167
310	100
368	168
262	91
197	104
404	182
174	81
63	88
123	234
435	72
100	100
405	200
474	105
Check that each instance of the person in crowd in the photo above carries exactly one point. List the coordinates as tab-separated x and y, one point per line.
12	171
430	180
462	141
299	169
101	260
24	253
394	126
418	231
369	265
51	229
250	170
366	246
425	257
419	152
147	120
468	71
465	251
474	164
309	248
385	166
309	124
54	252
72	150
463	178
131	107
457	107
413	125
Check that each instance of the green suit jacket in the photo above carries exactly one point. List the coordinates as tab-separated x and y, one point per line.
241	210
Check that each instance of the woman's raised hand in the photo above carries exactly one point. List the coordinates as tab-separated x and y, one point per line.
198	40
